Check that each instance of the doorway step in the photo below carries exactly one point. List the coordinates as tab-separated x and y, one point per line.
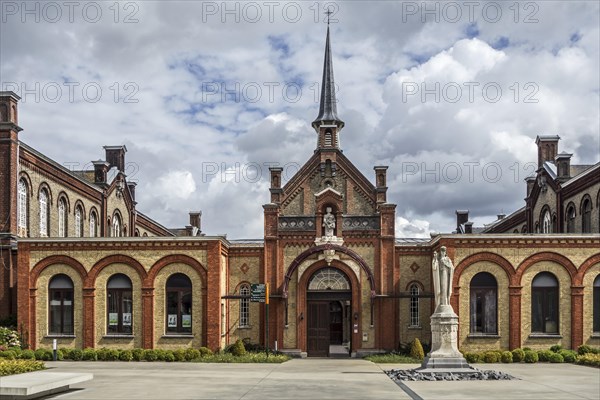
338	351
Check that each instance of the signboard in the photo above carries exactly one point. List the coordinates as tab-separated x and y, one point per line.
258	292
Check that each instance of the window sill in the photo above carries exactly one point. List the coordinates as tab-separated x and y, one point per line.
245	327
58	336
118	337
177	336
596	335
483	336
545	336
412	327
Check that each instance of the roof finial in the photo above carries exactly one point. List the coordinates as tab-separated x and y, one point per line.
328	12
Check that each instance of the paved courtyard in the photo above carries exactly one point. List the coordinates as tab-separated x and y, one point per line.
317	379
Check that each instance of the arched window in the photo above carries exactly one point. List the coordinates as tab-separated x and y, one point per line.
93	228
120	305
78	222
116	225
596	328
544	303
329	279
571	219
483	304
414	305
62	217
23	207
60	309
586	216
245	305
43	213
546	222
179	304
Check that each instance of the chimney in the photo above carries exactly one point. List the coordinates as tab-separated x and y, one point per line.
381	183
100	170
468	227
462	217
195	223
530	184
131	186
547	149
501	216
275	189
115	156
563	166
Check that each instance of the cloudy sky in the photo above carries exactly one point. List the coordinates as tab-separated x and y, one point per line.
207	95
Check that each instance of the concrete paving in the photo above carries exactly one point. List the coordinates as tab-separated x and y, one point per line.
318	379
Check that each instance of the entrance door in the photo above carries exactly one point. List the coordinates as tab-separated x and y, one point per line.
318	328
336	327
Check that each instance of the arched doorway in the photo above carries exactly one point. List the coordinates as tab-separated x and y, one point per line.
329	313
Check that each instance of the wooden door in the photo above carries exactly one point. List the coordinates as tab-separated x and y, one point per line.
318	329
336	328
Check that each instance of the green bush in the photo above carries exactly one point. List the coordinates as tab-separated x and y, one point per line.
7	355
473	358
137	354
527	349
150	355
126	355
43	355
507	357
9	337
179	354
491	357
28	355
89	355
518	355
585	349
59	355
66	352
544	355
416	349
568	355
192	354
168	356
590	359
102	353
556	348
531	357
11	367
76	354
556	358
205	351
238	348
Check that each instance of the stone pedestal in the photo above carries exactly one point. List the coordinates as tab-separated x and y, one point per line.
444	352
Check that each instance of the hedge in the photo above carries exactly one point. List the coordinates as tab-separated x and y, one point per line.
11	367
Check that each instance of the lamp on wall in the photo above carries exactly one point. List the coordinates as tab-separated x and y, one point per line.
356	316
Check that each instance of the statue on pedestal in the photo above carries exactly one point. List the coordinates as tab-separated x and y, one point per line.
443	273
329	223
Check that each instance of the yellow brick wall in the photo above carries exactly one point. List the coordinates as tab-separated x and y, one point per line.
236	277
422	275
545	198
593	193
588	312
289	333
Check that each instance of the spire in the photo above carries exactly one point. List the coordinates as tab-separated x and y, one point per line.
328	105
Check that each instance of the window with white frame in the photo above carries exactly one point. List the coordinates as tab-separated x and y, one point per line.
116	226
245	305
22	208
92	224
414	305
78	222
62	218
43	213
547	222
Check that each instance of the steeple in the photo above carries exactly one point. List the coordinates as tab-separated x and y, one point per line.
327	123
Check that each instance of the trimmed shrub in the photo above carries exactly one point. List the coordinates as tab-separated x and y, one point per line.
102	354
491	357
473	358
160	354
556	358
168	356
66	352
112	355
518	355
589	359
238	348
568	355
192	354
556	348
416	349
11	367
89	355
43	355
527	349
137	354
585	349
150	355
544	355
507	357
7	355
28	355
59	355
531	357
126	355
179	354
76	354
205	351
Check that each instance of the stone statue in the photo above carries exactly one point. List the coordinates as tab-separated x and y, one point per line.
329	223
446	271
436	277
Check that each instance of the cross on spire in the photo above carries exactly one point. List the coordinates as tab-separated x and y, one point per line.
328	12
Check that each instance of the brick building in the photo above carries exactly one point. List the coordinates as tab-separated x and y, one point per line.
80	264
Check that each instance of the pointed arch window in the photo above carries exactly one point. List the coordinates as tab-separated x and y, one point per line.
245	305
483	304
43	213
60	309
93	228
78	222
414	306
586	216
120	305
116	225
62	217
571	219
23	207
544	303
596	327
547	222
179	304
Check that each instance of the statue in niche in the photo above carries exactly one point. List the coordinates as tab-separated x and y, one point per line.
329	223
443	273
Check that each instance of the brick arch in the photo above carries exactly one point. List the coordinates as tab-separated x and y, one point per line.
90	281
545	256
172	259
53	260
317	249
485	256
587	264
25	176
